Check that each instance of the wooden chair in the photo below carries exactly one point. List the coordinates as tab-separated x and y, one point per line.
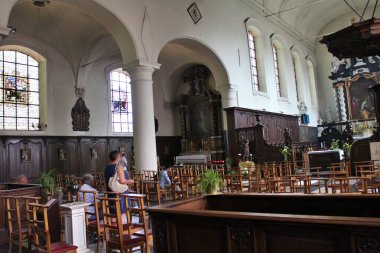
16	226
152	191
41	232
116	239
234	183
92	215
136	206
29	215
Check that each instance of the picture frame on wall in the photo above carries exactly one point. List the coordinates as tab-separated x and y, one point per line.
94	153
62	153
360	103
122	149
26	155
194	13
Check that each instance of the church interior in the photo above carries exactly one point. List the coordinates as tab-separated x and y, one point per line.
173	126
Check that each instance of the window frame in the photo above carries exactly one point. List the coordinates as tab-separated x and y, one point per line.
32	122
127	103
253	61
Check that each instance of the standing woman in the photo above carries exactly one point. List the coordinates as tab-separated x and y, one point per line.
115	168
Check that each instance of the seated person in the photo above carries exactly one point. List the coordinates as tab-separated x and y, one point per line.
165	181
22	179
88	185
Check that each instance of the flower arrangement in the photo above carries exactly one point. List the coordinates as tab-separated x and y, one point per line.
285	152
347	149
335	145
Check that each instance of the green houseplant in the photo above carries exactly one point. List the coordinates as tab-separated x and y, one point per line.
335	145
210	182
285	152
47	182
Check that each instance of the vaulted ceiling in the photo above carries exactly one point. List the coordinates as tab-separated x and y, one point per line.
314	14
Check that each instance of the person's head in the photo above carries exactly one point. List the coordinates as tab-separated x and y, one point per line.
88	179
115	156
22	179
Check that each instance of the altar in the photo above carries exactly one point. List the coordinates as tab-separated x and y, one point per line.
323	159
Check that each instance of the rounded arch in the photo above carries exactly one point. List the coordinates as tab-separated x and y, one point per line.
98	11
310	64
181	52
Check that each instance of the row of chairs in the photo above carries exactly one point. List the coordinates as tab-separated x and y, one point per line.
104	218
28	220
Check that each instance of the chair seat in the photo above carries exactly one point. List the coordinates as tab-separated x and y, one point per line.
142	232
127	240
58	247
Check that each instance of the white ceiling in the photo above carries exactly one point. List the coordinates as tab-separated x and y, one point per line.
310	19
69	30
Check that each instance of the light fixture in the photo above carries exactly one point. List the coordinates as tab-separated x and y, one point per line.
41	3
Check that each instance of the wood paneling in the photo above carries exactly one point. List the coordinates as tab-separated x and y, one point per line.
274	223
44	153
273	126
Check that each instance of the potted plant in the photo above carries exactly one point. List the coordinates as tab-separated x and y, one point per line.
48	184
210	182
285	151
347	150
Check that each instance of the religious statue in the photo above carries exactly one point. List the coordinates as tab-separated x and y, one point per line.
246	153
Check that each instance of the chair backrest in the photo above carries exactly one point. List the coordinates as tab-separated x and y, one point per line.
93	208
151	189
135	206
113	230
29	211
14	216
41	231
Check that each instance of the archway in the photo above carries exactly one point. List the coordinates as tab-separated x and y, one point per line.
177	58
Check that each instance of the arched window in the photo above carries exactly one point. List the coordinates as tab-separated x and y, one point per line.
312	82
298	74
253	60
280	64
121	102
276	71
19	91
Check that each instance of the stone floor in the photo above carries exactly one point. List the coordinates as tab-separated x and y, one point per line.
92	247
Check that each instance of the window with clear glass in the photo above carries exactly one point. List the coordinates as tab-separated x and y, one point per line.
19	91
253	60
276	71
121	102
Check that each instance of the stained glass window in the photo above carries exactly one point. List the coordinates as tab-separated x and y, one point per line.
253	60
121	102
276	71
19	91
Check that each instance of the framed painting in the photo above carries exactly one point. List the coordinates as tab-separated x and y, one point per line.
62	153
360	103
194	13
200	118
26	155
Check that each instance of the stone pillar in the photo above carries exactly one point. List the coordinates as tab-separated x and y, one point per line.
229	95
144	136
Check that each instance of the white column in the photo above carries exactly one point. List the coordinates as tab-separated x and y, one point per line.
144	136
75	225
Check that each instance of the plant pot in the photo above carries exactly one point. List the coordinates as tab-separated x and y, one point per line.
212	189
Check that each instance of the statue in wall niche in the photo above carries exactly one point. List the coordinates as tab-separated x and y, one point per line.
80	115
